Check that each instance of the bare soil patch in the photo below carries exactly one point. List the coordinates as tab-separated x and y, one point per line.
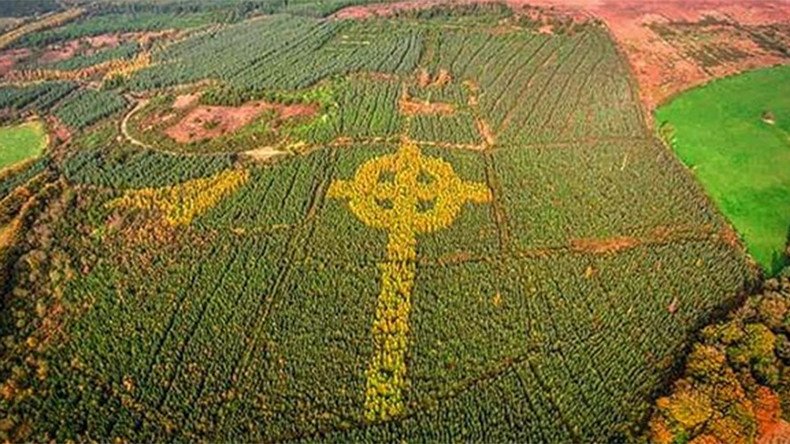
415	107
208	122
485	132
600	246
60	52
8	59
264	153
92	44
58	130
185	101
664	67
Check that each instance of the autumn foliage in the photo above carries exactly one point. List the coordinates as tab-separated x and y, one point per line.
179	204
734	378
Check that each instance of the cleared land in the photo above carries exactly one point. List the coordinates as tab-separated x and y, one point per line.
735	136
21	142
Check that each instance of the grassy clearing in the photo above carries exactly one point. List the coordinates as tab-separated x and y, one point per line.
735	135
21	142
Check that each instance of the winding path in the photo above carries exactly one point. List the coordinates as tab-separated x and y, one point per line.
124	123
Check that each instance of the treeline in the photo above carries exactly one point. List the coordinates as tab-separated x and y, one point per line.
448	11
121	52
39	98
230	10
89	106
737	377
96	24
134	168
22	8
284	52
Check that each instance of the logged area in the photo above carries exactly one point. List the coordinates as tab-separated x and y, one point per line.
735	136
271	221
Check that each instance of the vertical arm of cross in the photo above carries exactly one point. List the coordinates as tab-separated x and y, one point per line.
386	374
402	220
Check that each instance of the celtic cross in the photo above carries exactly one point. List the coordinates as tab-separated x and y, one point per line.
423	195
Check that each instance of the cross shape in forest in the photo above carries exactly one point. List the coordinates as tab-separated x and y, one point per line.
423	195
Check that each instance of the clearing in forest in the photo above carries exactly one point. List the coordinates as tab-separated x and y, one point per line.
734	133
21	142
208	122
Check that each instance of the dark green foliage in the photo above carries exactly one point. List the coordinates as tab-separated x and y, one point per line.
283	52
493	10
11	180
89	106
368	108
21	8
40	97
137	169
281	196
228	10
542	314
91	25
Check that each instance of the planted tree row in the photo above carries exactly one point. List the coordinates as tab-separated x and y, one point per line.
89	106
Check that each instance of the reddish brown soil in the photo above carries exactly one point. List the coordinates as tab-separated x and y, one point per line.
208	122
58	130
59	52
663	68
185	101
8	59
600	246
92	44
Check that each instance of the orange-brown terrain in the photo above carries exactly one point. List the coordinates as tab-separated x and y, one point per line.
208	122
8	58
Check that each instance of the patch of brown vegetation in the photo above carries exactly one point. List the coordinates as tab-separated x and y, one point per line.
411	107
778	434
379	76
108	69
208	122
60	132
728	235
474	90
601	246
767	411
385	9
423	78
485	132
8	59
414	107
665	67
442	78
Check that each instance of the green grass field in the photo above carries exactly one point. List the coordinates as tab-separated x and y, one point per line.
742	159
21	142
